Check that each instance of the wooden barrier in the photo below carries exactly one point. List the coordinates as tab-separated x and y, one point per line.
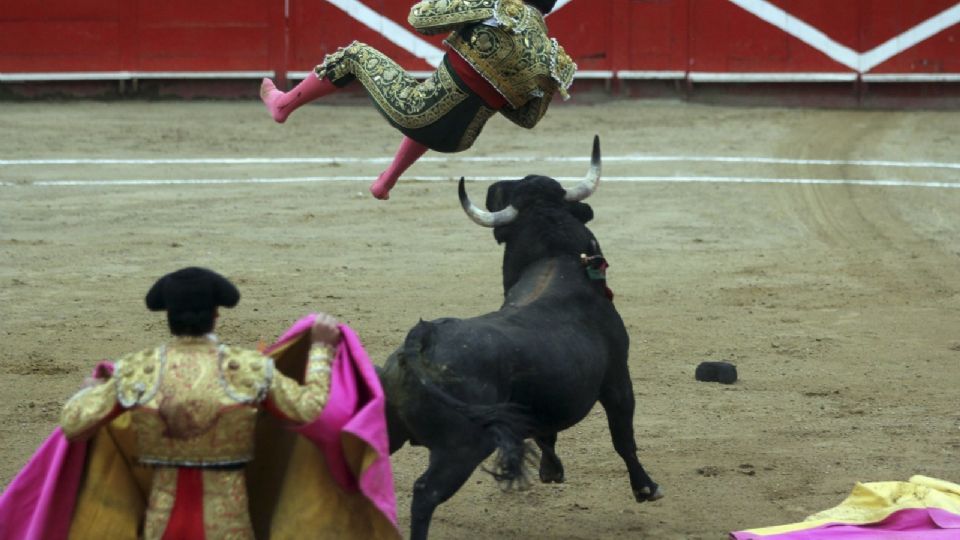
696	41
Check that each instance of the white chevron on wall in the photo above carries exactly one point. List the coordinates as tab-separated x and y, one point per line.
857	61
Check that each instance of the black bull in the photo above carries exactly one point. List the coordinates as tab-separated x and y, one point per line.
465	388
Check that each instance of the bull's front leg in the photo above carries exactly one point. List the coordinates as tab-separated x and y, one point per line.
618	403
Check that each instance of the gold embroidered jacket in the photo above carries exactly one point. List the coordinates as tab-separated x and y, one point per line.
507	44
286	491
194	402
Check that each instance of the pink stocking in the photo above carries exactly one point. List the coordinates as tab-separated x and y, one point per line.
408	153
281	104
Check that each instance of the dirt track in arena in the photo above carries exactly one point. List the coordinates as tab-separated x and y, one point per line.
838	303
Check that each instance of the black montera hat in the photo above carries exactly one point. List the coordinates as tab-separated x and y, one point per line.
545	6
191	296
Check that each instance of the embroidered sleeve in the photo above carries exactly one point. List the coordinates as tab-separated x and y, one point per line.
436	16
302	403
562	69
531	113
89	408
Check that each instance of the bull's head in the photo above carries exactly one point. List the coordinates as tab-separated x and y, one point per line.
536	218
503	209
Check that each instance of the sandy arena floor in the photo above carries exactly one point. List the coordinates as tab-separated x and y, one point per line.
838	302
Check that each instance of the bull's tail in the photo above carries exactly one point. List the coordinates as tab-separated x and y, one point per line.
507	423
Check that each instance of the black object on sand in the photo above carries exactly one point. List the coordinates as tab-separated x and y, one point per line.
721	372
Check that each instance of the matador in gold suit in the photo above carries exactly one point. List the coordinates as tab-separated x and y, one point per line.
193	405
499	59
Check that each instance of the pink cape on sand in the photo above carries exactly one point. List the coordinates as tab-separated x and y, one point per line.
39	502
922	508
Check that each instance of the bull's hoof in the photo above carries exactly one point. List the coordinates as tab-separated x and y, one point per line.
552	477
648	493
551	469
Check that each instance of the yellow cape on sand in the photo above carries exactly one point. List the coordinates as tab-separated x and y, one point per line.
292	493
873	502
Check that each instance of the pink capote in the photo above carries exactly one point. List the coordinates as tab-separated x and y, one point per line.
38	504
912	524
921	508
356	406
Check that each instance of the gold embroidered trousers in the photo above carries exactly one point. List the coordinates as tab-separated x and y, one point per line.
441	112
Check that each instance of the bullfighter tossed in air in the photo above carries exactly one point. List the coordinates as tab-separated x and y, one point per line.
499	59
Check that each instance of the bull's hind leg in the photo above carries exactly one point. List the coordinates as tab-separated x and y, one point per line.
448	470
617	400
551	468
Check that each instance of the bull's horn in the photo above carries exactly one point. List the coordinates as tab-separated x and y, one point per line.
590	183
482	217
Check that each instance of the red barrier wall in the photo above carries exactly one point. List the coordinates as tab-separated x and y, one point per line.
725	38
608	39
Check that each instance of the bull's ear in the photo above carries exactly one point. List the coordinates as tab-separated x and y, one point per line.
498	195
581	211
